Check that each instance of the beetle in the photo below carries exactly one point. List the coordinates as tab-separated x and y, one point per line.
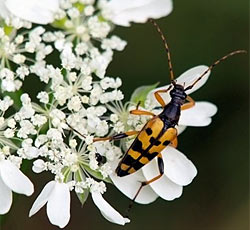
160	130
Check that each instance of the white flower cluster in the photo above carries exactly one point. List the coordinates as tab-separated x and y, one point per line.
19	51
57	129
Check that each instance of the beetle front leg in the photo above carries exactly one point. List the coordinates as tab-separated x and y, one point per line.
159	98
137	111
188	105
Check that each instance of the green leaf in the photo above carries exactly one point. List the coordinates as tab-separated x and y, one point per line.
83	196
96	174
141	93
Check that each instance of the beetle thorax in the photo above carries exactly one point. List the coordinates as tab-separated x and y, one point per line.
178	95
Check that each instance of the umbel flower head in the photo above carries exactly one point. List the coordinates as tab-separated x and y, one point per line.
77	104
77	95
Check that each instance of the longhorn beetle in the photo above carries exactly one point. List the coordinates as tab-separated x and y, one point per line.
160	130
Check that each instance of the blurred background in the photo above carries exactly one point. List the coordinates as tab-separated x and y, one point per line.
198	32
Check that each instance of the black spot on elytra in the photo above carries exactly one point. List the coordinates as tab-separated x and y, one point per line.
151	156
137	146
128	160
154	141
166	143
149	131
121	172
137	165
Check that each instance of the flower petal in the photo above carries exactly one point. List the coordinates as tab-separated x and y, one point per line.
199	115
180	129
107	210
129	185
5	198
35	11
139	11
191	75
177	167
58	206
4	13
186	78
42	199
15	179
164	187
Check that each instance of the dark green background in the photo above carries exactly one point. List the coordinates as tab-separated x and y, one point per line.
198	32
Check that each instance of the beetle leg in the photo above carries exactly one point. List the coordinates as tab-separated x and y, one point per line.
161	170
159	98
137	111
116	136
189	104
141	112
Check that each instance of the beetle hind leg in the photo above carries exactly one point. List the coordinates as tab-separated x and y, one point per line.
144	183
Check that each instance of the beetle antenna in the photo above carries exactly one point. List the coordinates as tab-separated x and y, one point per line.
167	49
213	65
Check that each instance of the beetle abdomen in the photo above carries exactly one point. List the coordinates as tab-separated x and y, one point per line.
153	138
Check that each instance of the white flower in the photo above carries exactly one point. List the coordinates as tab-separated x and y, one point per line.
178	172
57	197
12	179
126	11
39	166
4	13
36	11
107	210
200	114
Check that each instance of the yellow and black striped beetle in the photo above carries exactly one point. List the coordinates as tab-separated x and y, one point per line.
159	131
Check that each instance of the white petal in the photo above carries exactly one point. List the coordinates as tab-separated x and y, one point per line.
139	11
107	210
4	13
35	11
188	78
180	129
15	179
199	115
42	199
58	206
129	185
5	198
164	187
177	167
191	75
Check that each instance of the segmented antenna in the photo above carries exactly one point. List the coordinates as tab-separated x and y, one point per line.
213	65
167	49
